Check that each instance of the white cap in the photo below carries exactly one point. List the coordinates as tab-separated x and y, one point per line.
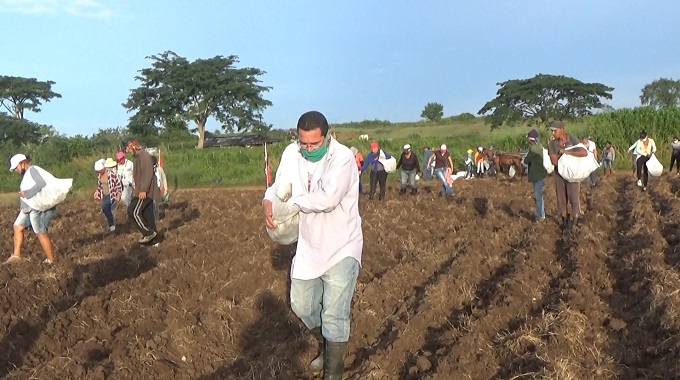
480	149
99	165
407	146
443	147
15	160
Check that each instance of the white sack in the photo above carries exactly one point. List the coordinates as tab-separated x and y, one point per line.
576	169
285	215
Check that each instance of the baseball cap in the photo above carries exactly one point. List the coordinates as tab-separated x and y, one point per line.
15	160
443	147
470	150
374	144
120	155
480	149
556	125
407	146
99	165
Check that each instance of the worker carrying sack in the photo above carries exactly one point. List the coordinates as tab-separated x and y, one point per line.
576	169
286	216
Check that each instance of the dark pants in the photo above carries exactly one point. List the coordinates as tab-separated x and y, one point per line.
142	212
107	209
675	158
379	177
642	172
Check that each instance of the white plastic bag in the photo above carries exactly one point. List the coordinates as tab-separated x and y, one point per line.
576	169
286	216
54	192
549	167
654	167
390	164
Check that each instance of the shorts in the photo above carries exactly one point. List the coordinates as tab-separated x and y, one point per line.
607	164
39	221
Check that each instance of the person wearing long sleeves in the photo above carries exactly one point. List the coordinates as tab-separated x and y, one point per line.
325	187
124	170
409	165
536	172
32	182
378	174
145	190
675	155
644	150
109	189
633	155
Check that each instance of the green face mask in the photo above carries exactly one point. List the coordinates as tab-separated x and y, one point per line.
317	154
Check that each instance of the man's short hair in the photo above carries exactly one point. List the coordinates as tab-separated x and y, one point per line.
312	120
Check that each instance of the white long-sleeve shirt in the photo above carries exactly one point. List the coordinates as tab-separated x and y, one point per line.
642	150
125	172
327	193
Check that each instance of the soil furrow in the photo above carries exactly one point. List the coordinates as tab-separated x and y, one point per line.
638	340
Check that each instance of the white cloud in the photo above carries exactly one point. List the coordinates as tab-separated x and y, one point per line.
79	8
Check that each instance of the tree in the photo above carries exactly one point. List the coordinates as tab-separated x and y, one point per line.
542	98
433	112
662	93
195	91
18	132
19	94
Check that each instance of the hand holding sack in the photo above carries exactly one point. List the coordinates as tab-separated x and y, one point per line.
54	192
654	167
285	215
576	169
547	163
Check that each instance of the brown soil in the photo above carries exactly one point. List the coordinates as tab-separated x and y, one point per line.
467	288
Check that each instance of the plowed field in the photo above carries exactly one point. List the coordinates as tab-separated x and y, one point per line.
462	288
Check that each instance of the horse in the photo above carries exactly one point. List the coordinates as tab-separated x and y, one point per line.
506	160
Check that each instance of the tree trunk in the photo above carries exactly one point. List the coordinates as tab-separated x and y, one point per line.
201	134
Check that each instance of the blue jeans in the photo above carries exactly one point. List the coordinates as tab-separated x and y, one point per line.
39	221
326	301
538	197
408	176
107	209
440	173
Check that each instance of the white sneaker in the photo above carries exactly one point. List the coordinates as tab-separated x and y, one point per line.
639	183
112	228
148	239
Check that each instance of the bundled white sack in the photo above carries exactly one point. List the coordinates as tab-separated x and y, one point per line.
54	192
390	164
547	164
286	216
654	167
576	169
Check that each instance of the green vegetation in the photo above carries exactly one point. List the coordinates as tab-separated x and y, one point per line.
175	91
543	98
166	102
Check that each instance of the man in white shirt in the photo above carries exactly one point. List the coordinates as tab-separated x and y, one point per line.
125	167
592	148
325	187
644	150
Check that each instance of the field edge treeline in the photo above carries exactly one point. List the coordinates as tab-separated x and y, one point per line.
189	167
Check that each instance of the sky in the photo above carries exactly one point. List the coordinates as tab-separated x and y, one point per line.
351	60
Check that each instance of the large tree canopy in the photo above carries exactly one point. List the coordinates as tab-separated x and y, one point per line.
18	94
174	89
662	93
19	132
542	98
